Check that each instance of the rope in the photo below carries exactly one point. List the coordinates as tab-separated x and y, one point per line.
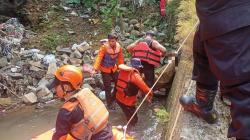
178	114
181	45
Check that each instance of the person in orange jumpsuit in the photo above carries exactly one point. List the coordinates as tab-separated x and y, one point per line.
109	57
127	86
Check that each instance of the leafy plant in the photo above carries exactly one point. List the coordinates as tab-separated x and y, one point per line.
162	115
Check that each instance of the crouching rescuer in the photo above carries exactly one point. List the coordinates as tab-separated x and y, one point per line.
127	86
83	116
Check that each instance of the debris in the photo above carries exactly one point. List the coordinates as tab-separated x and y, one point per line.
13	70
29	98
133	21
75	61
81	47
49	59
71	32
64	50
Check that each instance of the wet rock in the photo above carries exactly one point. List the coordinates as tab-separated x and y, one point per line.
3	62
135	33
133	21
5	101
75	61
77	54
16	75
29	98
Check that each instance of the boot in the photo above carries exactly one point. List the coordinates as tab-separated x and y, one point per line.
202	106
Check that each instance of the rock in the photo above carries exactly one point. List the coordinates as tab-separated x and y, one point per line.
13	70
167	76
3	62
127	35
5	101
37	57
34	68
29	98
87	86
75	61
66	19
71	32
125	26
77	54
73	13
16	75
102	95
42	92
51	70
127	42
64	56
43	82
130	28
135	33
133	21
81	47
85	16
50	58
86	59
36	64
66	8
64	50
137	26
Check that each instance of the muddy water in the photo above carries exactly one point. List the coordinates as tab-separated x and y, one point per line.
28	122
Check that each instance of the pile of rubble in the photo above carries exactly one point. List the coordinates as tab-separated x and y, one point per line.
24	73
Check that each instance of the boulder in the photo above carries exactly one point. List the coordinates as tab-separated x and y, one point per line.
42	92
77	54
29	98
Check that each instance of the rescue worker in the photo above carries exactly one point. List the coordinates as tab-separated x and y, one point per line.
221	53
109	57
127	86
83	115
149	51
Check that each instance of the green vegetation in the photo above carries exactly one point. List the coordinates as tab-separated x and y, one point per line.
53	40
186	18
162	115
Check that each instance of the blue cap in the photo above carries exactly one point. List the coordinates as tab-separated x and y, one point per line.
136	63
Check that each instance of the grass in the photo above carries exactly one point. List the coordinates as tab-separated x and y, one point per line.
51	41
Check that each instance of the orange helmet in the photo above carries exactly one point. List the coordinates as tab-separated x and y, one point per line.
71	74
